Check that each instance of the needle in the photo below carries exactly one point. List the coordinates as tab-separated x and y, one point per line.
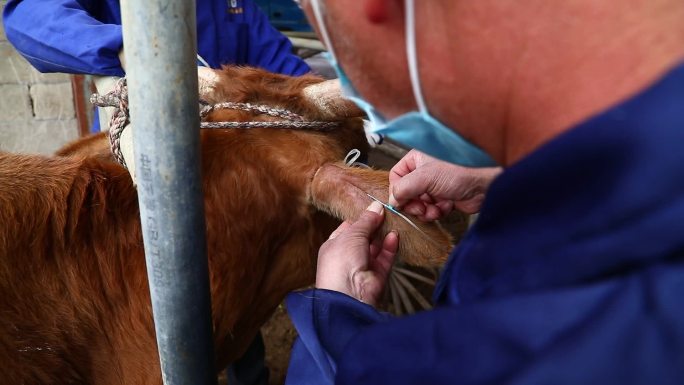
404	217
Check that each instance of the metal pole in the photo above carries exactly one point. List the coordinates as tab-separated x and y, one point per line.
160	47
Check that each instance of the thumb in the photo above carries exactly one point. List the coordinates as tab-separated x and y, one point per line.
369	221
410	187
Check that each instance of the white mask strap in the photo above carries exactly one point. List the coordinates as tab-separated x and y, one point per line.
318	15
412	54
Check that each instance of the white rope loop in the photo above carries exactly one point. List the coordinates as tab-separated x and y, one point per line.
351	159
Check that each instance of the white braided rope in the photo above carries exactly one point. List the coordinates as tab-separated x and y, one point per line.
118	98
289	125
253	108
292	121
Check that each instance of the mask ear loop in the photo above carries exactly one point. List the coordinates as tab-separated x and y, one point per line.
318	15
412	55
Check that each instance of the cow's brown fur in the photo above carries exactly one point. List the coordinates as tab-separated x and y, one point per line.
74	299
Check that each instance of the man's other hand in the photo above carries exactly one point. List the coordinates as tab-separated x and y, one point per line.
355	261
430	188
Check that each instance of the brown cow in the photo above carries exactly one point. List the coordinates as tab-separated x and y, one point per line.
74	300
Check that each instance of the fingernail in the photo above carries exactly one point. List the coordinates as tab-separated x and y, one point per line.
375	207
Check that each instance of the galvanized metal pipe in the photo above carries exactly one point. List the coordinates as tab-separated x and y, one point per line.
160	48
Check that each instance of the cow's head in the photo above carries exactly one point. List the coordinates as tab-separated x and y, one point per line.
308	95
333	187
309	162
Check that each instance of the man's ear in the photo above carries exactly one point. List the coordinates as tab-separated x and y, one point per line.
377	11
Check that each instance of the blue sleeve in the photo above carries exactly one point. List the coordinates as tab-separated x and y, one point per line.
61	36
325	321
268	48
610	333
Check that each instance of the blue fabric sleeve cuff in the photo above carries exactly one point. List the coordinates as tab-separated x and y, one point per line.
326	321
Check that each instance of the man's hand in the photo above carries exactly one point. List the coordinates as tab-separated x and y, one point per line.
122	59
356	263
207	80
430	188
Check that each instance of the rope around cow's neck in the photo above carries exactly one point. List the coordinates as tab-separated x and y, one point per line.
118	98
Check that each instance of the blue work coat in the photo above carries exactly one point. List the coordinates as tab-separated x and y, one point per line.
84	36
573	274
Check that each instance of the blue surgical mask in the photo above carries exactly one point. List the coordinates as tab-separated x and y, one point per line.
415	129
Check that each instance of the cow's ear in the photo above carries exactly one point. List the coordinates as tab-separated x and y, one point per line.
341	191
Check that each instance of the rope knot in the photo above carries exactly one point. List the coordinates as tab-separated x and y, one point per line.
117	98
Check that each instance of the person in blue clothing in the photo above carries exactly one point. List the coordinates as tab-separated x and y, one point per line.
85	37
574	271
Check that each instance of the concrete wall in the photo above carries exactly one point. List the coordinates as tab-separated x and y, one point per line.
36	110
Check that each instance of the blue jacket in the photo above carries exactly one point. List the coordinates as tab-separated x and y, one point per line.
84	36
573	274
